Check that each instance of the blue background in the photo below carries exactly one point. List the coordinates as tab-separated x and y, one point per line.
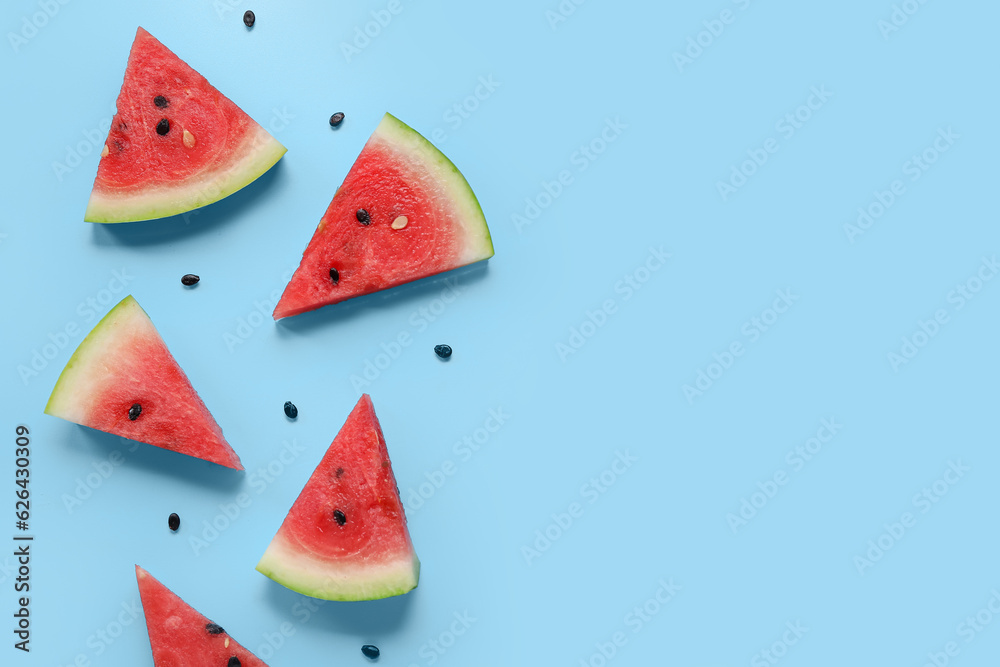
683	127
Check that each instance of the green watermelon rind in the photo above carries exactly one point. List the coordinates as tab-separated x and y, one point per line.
255	157
64	402
295	569
403	138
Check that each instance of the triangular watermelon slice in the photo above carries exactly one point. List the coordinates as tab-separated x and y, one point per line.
182	637
404	212
123	380
345	537
175	144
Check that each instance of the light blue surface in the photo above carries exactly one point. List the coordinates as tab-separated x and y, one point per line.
681	129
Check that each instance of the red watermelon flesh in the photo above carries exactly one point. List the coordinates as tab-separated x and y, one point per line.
210	149
124	362
345	537
398	175
182	637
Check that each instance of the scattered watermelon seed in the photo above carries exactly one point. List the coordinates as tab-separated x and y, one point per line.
163	127
290	410
370	650
336	119
249	18
400	222
189	140
234	662
335	276
189	279
105	151
214	629
340	517
174	522
443	351
134	411
363	217
161	101
226	645
340	471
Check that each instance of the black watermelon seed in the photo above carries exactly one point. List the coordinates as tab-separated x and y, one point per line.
336	119
443	351
340	517
249	18
214	629
174	521
234	662
163	127
363	217
335	276
371	651
190	279
161	101
340	471
134	411
290	410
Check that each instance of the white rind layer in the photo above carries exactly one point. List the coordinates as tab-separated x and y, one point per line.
260	151
78	384
397	136
300	571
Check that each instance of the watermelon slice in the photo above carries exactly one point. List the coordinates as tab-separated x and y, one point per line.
180	636
176	142
123	363
404	212
345	537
